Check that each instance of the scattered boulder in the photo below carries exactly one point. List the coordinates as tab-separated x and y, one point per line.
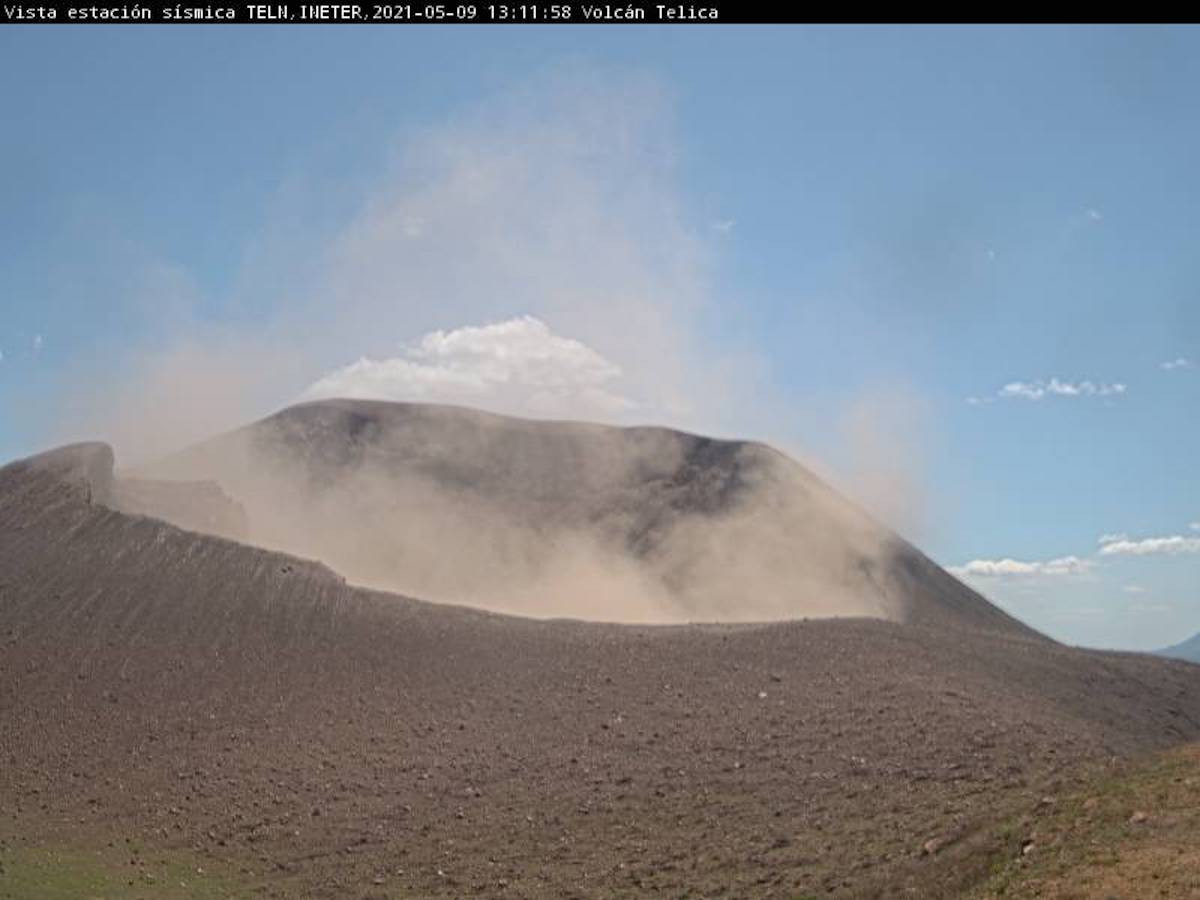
934	845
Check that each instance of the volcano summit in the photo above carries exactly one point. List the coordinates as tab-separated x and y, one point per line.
560	519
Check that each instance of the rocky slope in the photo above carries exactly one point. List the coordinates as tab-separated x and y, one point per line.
169	690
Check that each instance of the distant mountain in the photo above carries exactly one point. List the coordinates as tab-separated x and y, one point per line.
1189	650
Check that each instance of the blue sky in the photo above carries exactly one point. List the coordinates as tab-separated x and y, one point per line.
955	269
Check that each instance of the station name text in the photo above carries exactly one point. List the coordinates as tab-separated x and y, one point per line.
355	12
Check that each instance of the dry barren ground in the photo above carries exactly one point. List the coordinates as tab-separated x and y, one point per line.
173	702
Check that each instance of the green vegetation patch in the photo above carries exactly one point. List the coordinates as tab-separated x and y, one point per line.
54	873
1133	833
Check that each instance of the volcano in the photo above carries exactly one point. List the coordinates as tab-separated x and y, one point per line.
190	696
565	519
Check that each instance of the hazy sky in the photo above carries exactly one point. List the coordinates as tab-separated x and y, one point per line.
958	270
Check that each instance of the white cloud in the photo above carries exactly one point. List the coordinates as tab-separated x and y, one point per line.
724	226
1094	215
1195	526
518	365
1117	544
1036	390
1078	613
1172	545
1021	389
37	342
1142	607
1178	363
1013	568
1133	589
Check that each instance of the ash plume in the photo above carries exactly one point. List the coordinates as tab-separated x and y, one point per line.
535	257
